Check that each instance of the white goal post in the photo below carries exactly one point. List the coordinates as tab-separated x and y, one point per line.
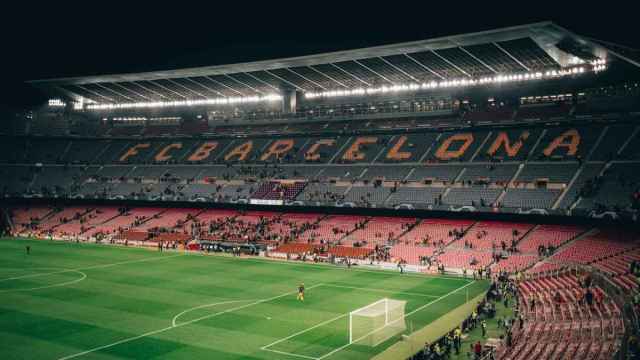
377	322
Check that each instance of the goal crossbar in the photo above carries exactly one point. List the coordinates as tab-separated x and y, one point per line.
377	322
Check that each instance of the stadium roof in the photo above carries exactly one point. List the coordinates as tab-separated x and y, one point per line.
525	49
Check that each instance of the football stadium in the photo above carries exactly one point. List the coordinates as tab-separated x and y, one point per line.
471	196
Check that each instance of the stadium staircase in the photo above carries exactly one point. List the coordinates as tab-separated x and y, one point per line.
426	153
482	144
601	173
567	188
559	326
382	150
102	222
85	212
551	263
626	143
344	146
8	219
526	234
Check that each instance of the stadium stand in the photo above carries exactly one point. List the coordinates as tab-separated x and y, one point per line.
493	235
564	319
548	236
332	229
498	124
417	196
519	184
616	188
378	231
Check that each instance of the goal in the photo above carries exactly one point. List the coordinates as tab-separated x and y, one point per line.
377	322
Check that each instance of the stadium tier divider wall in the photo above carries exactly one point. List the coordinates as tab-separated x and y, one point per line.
417	213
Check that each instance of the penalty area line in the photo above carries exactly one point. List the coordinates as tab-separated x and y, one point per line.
291	354
267	347
174	322
133	338
405	316
381	290
70	282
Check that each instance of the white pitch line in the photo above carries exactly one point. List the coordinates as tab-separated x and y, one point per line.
116	343
291	354
244	306
381	290
173	322
266	347
405	316
304	331
72	356
83	276
90	267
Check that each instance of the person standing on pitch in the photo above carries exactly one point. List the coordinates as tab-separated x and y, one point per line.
301	292
28	249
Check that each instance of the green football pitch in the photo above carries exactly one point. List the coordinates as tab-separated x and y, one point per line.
87	301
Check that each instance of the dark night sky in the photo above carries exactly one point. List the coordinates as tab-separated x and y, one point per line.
97	37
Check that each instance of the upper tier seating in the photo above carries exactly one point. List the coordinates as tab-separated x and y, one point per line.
444	173
485	174
419	197
554	173
583	182
387	173
273	190
421	169
619	187
530	198
472	196
632	150
342	172
468	145
16	180
322	192
367	195
615	137
583	138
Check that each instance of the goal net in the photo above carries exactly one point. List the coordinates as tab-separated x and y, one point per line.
377	322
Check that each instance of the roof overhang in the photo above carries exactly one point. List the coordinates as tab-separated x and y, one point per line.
260	78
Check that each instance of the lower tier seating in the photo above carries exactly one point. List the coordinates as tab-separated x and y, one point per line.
564	318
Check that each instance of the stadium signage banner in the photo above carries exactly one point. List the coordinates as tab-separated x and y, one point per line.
265	202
